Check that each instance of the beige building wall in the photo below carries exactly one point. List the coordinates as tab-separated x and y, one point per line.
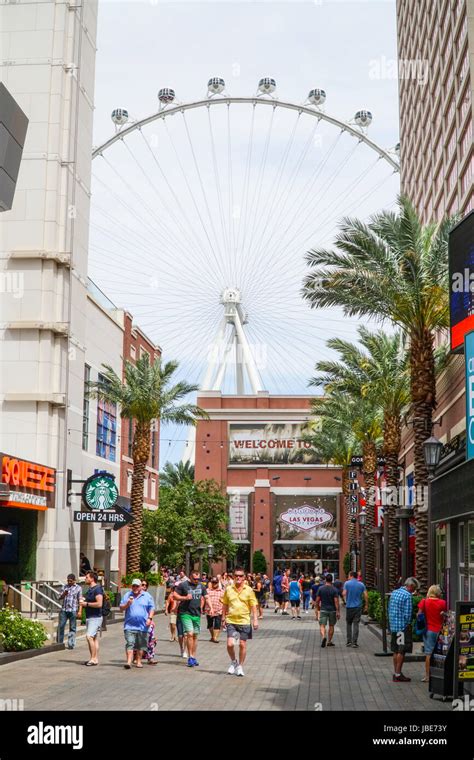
436	84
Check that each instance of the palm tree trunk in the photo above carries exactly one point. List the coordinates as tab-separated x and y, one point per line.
423	392
392	444
346	494
370	468
140	453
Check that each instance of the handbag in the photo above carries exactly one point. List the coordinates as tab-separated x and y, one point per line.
420	625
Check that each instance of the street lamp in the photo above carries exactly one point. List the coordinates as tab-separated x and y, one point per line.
188	546
210	552
432	454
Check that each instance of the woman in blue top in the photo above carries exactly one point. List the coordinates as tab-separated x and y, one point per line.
295	598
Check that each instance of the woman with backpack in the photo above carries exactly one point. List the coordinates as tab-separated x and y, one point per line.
432	609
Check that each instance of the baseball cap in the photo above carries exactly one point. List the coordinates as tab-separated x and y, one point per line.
136	582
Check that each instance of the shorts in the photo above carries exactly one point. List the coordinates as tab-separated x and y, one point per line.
295	602
173	617
214	622
327	617
179	626
429	641
402	641
243	632
278	598
93	626
286	596
191	624
135	640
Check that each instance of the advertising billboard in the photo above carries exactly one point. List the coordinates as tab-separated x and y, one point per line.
461	281
30	485
306	518
279	443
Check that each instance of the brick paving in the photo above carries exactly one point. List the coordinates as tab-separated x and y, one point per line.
286	669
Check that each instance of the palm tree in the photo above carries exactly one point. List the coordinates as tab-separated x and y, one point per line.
341	412
392	268
337	447
144	395
380	372
173	474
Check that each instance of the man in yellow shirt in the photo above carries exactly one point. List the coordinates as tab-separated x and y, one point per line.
238	603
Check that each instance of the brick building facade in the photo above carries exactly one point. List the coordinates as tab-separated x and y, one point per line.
280	501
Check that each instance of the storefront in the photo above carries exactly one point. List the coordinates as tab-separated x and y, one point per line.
452	516
27	489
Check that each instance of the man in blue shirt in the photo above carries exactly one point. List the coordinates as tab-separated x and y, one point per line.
357	601
278	591
139	611
400	614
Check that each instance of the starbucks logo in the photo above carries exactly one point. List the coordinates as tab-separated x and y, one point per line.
100	492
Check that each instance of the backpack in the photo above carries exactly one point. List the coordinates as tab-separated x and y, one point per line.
420	624
106	606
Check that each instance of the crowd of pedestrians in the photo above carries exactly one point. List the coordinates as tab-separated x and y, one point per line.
234	603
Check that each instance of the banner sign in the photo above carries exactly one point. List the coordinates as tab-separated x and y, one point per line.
281	443
238	517
469	357
306	517
30	485
461	280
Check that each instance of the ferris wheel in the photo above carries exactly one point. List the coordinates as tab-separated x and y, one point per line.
201	215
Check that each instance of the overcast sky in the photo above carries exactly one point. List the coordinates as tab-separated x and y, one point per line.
346	48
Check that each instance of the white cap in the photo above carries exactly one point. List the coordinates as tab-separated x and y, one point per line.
136	582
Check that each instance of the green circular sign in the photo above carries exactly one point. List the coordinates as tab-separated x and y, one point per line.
100	492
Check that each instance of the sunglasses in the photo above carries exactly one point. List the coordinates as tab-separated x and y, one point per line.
238	575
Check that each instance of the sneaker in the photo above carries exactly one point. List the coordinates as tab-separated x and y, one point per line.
293	617
400	678
239	671
184	655
355	645
275	610
191	662
330	644
349	644
195	663
233	667
285	613
323	642
306	612
298	617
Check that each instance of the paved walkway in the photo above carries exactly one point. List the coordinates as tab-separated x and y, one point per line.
286	669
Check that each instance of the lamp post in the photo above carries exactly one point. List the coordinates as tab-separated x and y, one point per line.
188	546
432	454
362	524
210	552
201	549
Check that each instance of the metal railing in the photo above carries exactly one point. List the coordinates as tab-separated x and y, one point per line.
29	599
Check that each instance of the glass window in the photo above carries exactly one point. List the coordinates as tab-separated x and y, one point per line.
106	441
85	409
471	542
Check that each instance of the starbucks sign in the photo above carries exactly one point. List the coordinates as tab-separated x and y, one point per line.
100	492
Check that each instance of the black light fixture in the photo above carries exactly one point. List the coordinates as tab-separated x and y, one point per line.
432	453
